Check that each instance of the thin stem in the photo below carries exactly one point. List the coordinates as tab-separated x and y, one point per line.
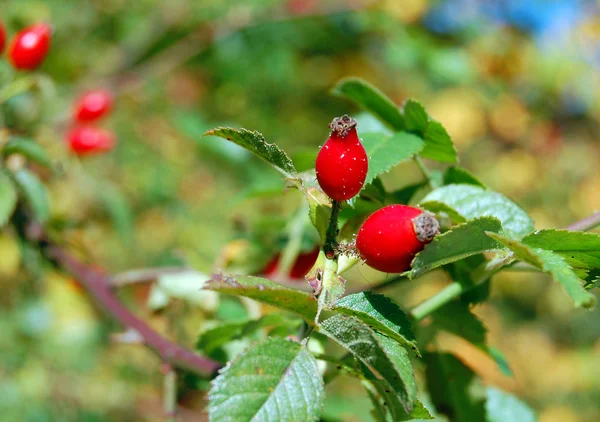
169	393
294	243
330	245
98	287
426	173
451	291
586	224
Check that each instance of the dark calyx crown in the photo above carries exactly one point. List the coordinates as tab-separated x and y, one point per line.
342	125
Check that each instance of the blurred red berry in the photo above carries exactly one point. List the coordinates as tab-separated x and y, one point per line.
29	47
302	265
93	105
301	7
342	163
2	37
86	140
389	238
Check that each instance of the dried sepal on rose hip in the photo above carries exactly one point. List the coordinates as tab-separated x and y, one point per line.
342	162
30	46
390	238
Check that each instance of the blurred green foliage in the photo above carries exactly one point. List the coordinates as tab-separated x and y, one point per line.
517	92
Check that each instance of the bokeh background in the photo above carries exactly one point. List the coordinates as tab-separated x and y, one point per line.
516	83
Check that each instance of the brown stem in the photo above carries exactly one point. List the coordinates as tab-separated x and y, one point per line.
586	224
98	286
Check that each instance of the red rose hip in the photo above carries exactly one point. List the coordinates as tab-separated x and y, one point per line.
93	105
342	162
86	140
2	37
389	238
302	265
28	49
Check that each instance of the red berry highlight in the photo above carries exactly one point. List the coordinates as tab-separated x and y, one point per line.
87	140
93	105
390	238
2	37
342	162
29	47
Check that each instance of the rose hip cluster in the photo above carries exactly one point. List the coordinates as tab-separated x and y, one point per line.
27	52
389	238
85	138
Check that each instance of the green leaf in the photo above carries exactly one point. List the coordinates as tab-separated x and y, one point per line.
29	149
212	339
438	145
371	99
387	400
439	208
8	198
416	118
448	382
381	314
255	142
472	202
385	152
462	241
457	175
580	249
266	291
502	407
34	192
385	358
319	210
552	264
274	380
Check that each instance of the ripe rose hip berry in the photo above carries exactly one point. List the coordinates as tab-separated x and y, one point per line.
86	140
390	238
342	162
2	37
93	105
28	49
302	265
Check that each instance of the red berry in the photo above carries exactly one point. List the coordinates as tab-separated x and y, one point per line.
342	162
93	105
85	140
390	238
2	37
302	265
29	47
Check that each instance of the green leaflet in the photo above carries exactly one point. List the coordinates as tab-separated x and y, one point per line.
462	241
381	314
255	142
473	201
552	264
266	291
275	379
385	359
385	151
